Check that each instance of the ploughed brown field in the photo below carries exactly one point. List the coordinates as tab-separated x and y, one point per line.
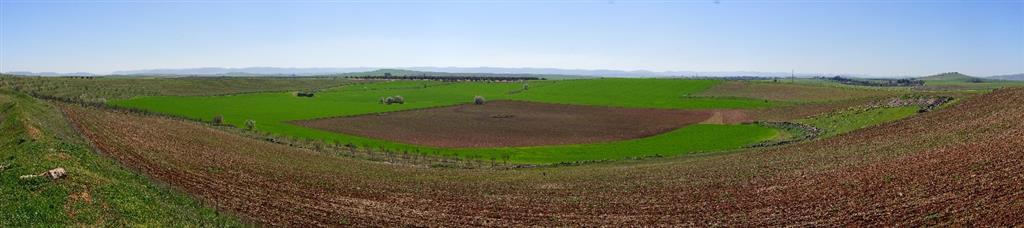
960	165
511	123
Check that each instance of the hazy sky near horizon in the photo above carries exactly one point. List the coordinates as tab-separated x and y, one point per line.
882	38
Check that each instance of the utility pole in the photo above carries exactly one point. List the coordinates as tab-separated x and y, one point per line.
792	76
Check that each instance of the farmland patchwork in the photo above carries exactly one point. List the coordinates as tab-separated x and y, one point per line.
595	115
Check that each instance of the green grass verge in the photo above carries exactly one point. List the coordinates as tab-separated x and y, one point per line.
687	140
96	192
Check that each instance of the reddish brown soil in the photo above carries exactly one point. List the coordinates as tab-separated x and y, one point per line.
728	116
962	165
511	123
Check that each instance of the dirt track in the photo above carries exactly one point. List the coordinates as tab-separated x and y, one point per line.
960	165
511	123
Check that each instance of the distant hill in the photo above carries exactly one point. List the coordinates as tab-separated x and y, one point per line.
1011	77
951	76
221	71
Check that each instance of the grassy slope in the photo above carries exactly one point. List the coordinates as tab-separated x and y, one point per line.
964	85
845	121
930	85
272	110
958	81
686	140
636	93
34	138
826	82
785	91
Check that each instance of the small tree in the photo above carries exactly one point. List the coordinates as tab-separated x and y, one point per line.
250	124
218	119
526	86
479	100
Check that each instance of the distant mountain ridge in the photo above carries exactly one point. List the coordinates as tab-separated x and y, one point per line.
1011	77
245	71
50	74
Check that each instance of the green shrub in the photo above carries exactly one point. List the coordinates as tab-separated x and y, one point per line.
250	124
394	100
479	100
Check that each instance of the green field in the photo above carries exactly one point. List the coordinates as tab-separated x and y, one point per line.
635	93
845	121
272	110
791	91
97	191
689	139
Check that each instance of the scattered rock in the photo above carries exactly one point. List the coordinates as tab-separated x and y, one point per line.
52	174
926	104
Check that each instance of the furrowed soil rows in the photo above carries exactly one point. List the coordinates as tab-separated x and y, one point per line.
511	123
959	165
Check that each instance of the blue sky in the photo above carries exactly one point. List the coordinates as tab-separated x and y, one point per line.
862	37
